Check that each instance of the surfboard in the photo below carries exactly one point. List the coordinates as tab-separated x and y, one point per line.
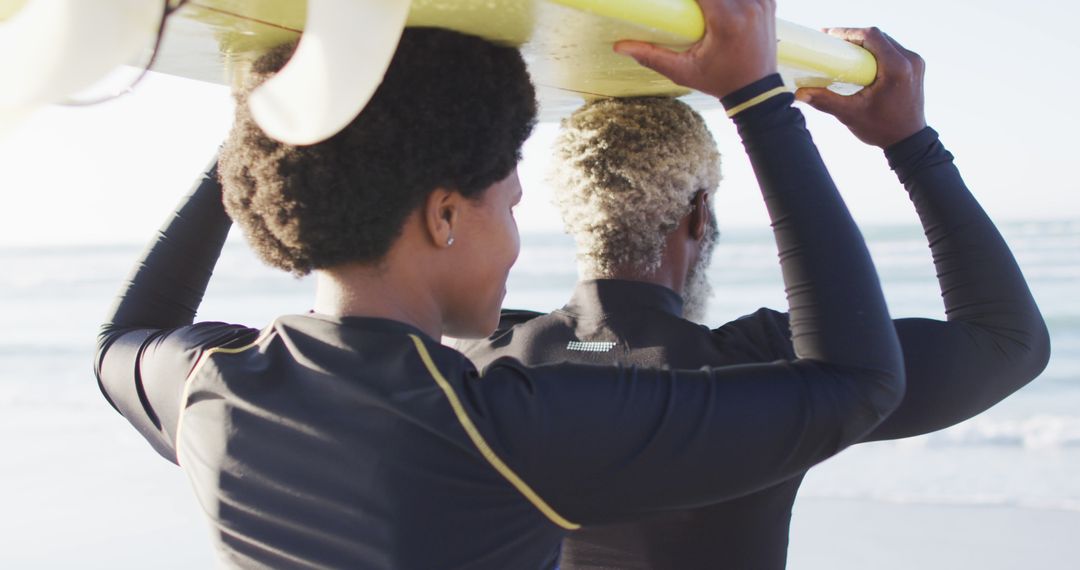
566	43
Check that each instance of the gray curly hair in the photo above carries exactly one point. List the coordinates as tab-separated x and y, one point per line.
624	174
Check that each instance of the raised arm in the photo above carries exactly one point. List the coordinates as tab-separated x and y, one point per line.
148	345
994	340
606	444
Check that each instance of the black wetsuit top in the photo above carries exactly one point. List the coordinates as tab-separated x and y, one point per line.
993	343
361	443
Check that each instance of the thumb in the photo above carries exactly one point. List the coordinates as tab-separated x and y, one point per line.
825	101
663	61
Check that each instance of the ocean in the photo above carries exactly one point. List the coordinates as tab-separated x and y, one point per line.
81	488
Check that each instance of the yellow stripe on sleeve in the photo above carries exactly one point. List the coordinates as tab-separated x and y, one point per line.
756	100
481	444
195	370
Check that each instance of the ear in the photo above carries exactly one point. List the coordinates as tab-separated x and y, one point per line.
440	216
699	215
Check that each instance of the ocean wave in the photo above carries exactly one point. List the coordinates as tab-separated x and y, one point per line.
935	500
55	352
1037	432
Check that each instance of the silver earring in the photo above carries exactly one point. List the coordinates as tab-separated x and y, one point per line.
450	241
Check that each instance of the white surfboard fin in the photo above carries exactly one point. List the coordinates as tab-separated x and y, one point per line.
54	48
340	61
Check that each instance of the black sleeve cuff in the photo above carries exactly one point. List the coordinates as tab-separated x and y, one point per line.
916	153
744	94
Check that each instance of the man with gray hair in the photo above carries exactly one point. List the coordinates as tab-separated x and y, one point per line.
627	174
634	180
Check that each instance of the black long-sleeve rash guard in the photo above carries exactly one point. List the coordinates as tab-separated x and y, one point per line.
993	342
360	442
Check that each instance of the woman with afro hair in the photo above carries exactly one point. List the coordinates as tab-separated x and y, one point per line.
349	437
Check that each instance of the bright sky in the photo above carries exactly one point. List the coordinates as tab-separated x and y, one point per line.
999	88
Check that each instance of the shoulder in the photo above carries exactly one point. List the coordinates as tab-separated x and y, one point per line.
166	357
509	320
764	332
514	317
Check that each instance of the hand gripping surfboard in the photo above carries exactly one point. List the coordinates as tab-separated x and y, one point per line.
567	44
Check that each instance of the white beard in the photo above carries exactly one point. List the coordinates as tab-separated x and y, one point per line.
697	291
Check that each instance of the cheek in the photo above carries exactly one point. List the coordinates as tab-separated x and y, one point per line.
513	241
492	248
502	245
506	244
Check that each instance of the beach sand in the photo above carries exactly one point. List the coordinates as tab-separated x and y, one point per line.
81	489
840	534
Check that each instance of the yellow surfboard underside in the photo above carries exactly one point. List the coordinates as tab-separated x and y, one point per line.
567	43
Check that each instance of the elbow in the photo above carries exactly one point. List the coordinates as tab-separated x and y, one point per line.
1037	356
884	389
1024	348
875	394
886	383
876	405
889	389
105	339
1009	358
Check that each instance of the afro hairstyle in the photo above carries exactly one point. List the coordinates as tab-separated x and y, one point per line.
453	112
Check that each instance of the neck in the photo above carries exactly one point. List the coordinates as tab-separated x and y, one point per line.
366	291
665	276
675	260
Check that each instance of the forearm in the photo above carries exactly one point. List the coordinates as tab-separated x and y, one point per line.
981	283
838	313
167	284
995	340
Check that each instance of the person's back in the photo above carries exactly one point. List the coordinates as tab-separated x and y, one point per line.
642	210
363	412
633	323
